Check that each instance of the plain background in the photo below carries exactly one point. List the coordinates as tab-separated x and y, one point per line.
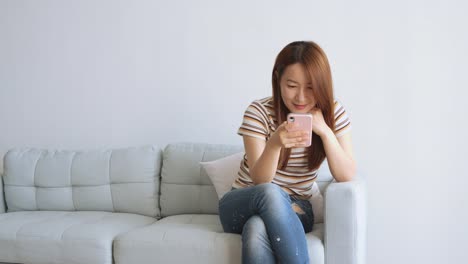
94	74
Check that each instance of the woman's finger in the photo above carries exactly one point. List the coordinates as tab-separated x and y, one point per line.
295	134
296	140
296	145
290	126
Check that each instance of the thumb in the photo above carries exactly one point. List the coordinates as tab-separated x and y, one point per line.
286	126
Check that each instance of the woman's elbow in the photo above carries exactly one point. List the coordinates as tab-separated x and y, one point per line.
258	179
351	173
347	175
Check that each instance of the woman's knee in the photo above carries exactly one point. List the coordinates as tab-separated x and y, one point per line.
254	230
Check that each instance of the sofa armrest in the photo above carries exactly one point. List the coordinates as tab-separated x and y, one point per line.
346	222
2	197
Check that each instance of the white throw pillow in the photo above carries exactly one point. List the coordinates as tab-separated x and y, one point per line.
223	172
317	203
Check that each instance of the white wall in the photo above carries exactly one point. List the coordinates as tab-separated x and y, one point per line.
90	74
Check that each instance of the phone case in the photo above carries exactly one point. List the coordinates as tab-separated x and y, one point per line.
304	122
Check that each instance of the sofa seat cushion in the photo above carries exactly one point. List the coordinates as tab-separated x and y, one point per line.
192	239
63	237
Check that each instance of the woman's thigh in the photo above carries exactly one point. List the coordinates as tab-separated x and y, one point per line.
235	209
238	205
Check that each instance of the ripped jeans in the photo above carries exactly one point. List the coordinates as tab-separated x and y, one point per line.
272	223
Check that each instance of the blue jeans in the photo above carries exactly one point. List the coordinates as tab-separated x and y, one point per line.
272	223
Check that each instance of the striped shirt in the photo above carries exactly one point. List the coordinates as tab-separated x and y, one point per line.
296	178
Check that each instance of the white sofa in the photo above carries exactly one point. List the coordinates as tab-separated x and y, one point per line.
144	205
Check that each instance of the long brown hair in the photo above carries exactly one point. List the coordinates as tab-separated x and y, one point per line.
314	60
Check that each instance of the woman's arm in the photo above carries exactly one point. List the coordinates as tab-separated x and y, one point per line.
339	151
262	159
339	155
263	156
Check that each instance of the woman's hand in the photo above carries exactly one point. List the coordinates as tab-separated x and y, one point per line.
318	123
285	137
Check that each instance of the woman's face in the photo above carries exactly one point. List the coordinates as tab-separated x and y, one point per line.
296	89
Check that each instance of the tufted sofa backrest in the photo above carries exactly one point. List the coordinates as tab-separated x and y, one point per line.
185	187
119	180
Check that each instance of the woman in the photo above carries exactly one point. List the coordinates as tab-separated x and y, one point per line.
268	203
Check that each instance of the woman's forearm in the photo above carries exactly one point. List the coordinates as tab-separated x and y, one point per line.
341	165
264	169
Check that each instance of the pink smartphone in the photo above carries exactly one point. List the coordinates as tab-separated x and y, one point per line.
303	121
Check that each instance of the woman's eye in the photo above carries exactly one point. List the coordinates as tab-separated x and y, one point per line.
291	86
310	88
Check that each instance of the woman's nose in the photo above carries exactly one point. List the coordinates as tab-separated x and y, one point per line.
300	95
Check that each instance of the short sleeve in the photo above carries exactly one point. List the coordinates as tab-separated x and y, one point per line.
255	122
342	120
